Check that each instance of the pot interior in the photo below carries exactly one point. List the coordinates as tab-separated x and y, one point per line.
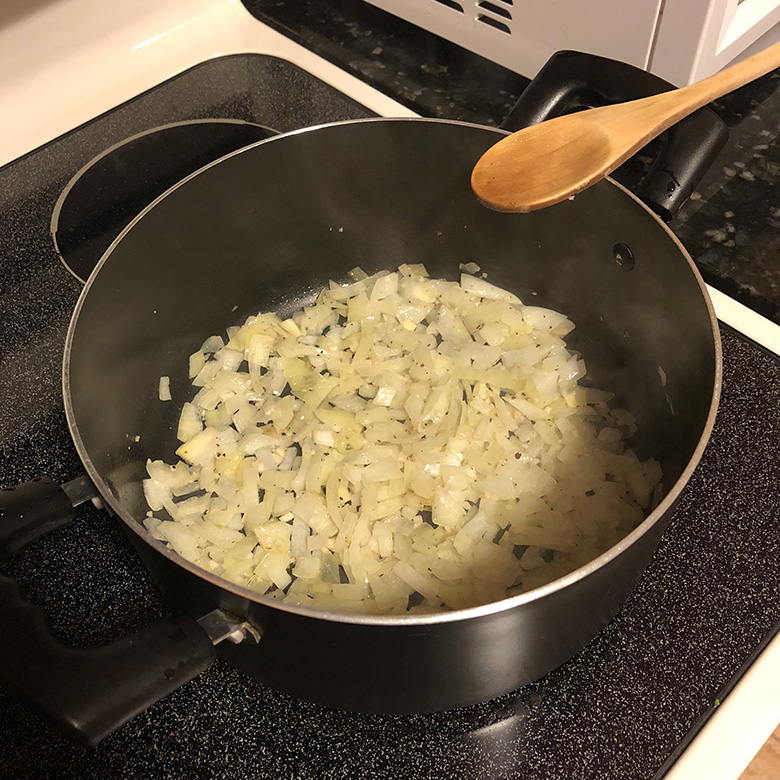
266	227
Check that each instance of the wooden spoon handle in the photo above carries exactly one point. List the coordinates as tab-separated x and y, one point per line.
684	101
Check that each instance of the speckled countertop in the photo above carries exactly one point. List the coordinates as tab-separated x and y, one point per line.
731	225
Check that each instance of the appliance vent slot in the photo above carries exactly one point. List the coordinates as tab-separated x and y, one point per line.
451	4
495	9
491	22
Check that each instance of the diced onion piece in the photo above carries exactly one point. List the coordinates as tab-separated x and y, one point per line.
484	289
190	423
164	390
197	361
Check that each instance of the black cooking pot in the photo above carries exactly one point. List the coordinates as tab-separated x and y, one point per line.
261	230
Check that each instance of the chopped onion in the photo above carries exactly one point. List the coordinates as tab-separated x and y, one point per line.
164	390
404	444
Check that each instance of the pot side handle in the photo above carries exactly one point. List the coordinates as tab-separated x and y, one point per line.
30	510
88	692
572	80
91	692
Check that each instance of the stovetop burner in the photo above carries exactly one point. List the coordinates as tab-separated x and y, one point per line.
623	707
112	188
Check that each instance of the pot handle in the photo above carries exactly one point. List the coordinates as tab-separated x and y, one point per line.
89	692
34	508
572	80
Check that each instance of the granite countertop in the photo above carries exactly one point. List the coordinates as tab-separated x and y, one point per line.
731	225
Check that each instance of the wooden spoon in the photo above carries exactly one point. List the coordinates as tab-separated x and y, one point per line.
546	163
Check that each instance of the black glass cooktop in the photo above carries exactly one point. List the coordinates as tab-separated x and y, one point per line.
622	708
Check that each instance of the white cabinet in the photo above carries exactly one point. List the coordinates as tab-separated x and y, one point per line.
680	40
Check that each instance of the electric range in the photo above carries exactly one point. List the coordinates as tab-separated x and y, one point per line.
683	683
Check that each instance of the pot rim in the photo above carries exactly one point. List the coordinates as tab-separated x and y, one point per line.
480	611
